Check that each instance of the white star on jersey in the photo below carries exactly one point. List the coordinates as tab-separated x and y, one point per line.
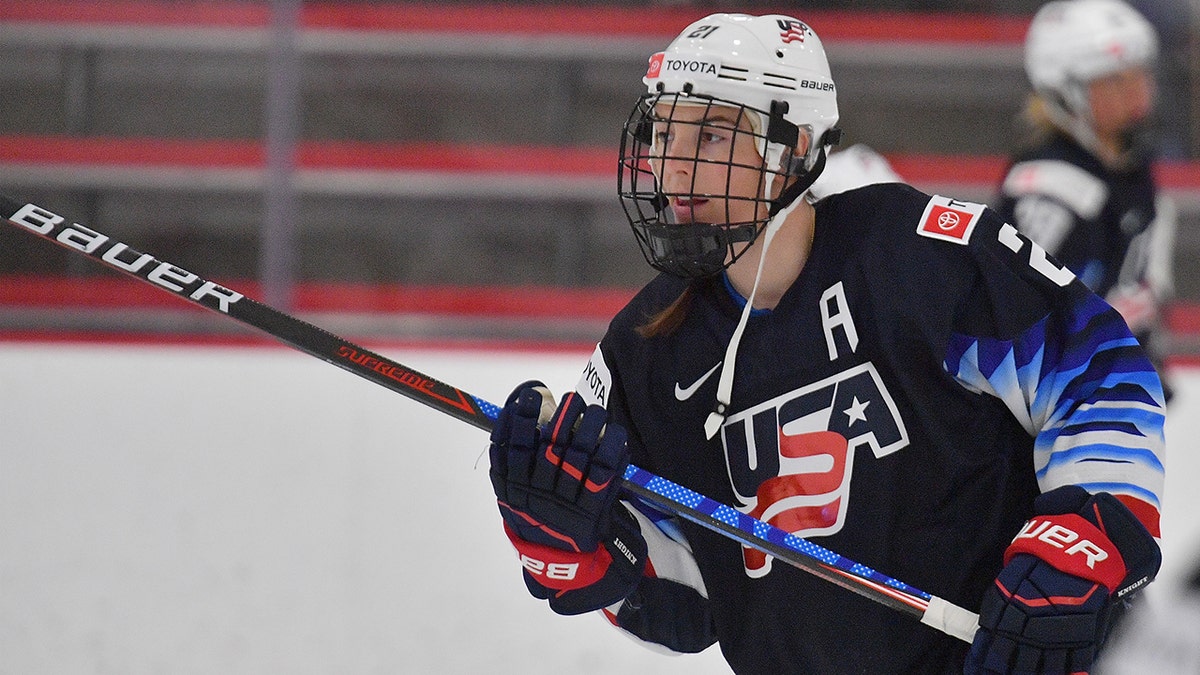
856	411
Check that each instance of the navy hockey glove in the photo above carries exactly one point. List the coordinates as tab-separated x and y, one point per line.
556	474
1065	579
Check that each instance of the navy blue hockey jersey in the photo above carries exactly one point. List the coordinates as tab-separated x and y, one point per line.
927	375
1084	214
1107	225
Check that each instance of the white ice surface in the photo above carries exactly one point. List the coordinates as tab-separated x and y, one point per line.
254	510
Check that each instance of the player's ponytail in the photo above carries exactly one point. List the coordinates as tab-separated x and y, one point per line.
670	317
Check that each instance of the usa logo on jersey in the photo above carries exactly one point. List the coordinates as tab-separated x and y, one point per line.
791	459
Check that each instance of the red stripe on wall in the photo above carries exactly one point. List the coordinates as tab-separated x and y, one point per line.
588	21
595	161
251	154
28	291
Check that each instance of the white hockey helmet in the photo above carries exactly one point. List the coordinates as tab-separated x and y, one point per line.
1072	42
756	61
772	69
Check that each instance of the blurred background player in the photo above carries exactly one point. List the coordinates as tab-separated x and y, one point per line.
1083	184
916	385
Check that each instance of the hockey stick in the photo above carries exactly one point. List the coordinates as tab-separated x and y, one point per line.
660	492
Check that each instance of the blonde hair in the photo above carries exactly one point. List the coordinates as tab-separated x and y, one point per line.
1037	121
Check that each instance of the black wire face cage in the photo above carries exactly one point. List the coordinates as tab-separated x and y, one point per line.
669	233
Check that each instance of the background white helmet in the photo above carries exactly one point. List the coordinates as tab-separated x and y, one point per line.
771	69
1072	42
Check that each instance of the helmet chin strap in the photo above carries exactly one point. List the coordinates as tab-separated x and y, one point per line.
725	383
781	208
792	193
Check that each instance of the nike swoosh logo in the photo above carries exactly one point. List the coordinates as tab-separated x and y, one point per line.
682	394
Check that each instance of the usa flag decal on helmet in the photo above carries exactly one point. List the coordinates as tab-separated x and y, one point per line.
791	30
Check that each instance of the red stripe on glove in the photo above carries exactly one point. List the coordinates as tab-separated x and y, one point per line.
1052	601
550	532
555	434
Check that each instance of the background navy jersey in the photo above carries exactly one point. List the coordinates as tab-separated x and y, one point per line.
1085	214
912	392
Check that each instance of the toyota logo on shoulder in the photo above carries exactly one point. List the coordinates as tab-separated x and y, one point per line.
947	220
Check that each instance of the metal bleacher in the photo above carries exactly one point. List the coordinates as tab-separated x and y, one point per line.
437	144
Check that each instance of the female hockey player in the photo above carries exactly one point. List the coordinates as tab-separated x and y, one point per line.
1082	186
901	377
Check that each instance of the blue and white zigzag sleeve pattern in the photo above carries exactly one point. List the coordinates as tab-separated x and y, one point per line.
1081	385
